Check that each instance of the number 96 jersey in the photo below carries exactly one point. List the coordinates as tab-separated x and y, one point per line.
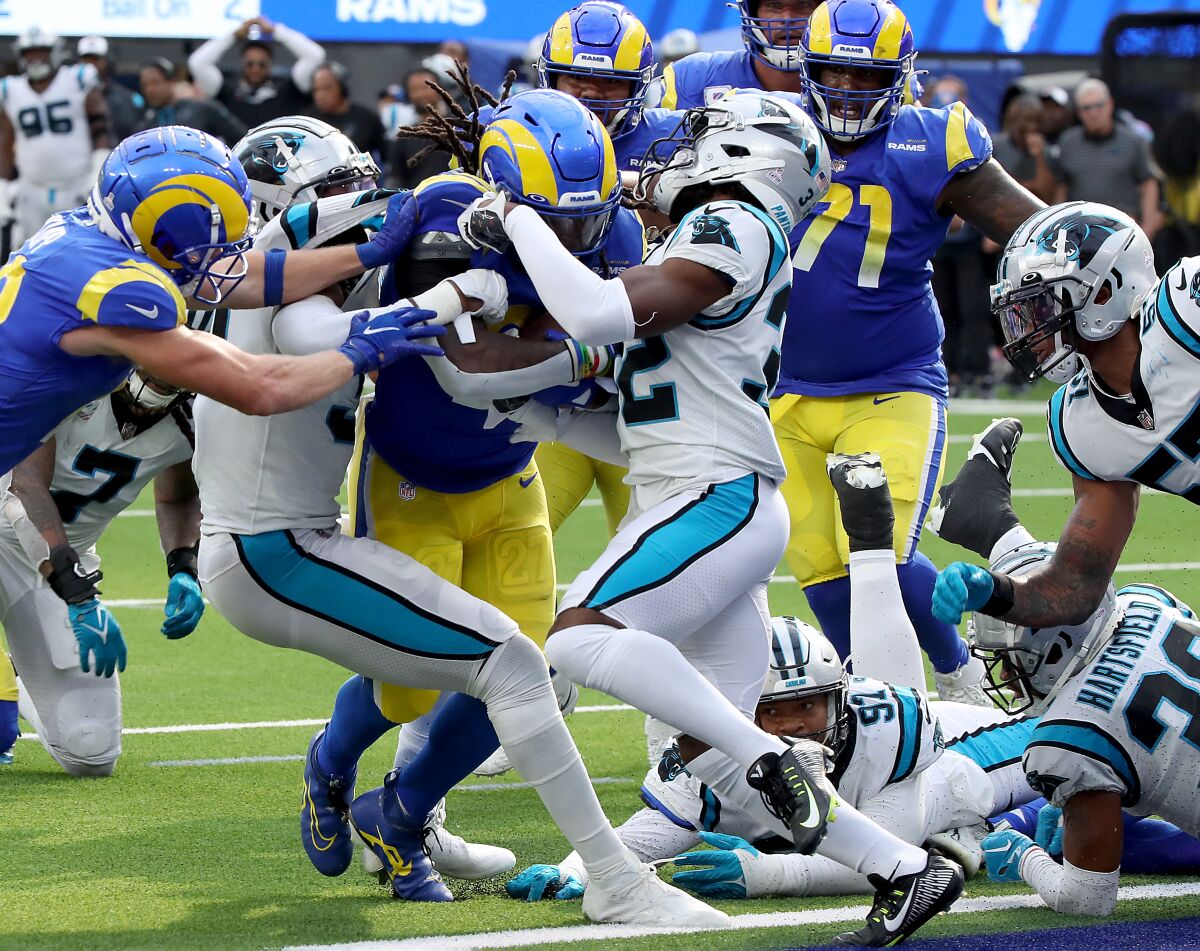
1129	721
1154	440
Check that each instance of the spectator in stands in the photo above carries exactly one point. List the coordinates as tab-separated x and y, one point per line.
395	110
255	96
421	97
1177	151
332	104
156	79
1057	114
1022	150
1102	160
456	50
125	106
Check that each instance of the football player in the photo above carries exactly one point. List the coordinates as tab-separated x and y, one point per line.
9	729
274	562
53	130
861	272
65	494
682	586
1080	304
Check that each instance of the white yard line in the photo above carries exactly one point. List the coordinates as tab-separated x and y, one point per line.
785	919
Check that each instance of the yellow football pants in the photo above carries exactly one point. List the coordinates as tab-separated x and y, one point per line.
568	476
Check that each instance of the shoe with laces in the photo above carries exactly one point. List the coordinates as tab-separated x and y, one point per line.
637	896
964	685
864	499
906	903
324	829
795	789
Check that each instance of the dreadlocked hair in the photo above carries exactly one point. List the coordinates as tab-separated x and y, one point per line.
459	130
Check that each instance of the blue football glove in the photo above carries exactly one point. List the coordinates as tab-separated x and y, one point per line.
1002	851
184	607
99	637
721	874
1049	834
393	239
375	341
544	881
959	588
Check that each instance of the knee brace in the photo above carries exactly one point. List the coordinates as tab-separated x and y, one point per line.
86	736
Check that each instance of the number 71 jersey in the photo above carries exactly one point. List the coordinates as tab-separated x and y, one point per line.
1155	439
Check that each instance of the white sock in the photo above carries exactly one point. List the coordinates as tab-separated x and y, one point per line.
659	736
651	674
415	734
883	643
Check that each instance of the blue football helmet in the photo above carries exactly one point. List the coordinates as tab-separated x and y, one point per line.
180	197
863	34
601	40
774	41
544	149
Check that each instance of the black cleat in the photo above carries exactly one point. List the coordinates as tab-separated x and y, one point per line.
794	789
975	510
864	499
906	903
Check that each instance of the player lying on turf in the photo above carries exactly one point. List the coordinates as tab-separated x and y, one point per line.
65	494
1118	696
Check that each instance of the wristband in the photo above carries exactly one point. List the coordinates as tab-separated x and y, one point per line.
68	579
273	277
183	559
1002	599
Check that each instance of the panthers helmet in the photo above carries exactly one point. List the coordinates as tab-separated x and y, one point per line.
864	34
1076	271
296	159
773	42
804	664
544	149
762	141
178	196
601	40
35	38
1027	666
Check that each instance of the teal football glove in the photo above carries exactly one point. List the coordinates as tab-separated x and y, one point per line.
184	607
959	588
1002	852
1049	834
544	881
99	637
721	873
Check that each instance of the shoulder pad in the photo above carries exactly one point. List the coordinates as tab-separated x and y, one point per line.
1056	432
132	294
1175	303
1065	757
954	140
1153	594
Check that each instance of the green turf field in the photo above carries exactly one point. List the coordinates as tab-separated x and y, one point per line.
171	854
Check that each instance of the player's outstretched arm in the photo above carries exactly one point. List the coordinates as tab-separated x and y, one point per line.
177	508
991	200
44	527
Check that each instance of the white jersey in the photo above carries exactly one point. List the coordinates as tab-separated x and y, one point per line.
1154	437
101	465
267	473
1129	721
51	135
694	400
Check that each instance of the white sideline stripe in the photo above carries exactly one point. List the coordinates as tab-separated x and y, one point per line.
229	761
284	724
780	919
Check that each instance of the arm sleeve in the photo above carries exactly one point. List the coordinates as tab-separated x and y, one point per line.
202	64
588	307
309	326
309	55
594	434
1067	889
482	388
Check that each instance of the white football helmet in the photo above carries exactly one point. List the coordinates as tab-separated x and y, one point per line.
1075	271
297	159
35	38
805	664
762	141
1027	666
152	394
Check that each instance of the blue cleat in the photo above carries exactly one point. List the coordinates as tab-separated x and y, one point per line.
399	843
323	809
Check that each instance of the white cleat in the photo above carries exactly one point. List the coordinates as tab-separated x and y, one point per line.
964	685
964	845
495	765
455	857
639	897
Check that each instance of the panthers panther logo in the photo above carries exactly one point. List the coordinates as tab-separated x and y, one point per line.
713	229
1084	236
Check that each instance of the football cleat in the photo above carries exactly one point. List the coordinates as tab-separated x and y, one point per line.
906	903
964	845
637	896
384	827
796	791
864	499
495	765
964	685
454	856
974	510
323	826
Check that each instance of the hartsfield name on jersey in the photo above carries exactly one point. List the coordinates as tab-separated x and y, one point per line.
1119	659
458	12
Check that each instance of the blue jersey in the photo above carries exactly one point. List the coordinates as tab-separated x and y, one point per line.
413	424
862	316
703	78
68	276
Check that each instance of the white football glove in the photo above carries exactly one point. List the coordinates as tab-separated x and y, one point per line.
486	286
535	422
482	224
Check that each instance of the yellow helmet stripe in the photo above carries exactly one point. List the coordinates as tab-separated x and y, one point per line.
609	180
188	190
891	35
820	31
537	176
670	95
629	53
992	9
128	272
562	46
